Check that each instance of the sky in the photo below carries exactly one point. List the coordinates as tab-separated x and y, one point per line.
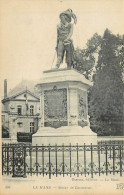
28	32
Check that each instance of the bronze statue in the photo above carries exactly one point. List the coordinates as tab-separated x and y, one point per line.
64	42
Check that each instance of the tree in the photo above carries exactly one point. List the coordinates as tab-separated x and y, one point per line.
106	96
85	59
83	62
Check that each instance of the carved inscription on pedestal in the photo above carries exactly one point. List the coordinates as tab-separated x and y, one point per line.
55	107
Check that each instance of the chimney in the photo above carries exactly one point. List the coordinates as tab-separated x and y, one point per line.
5	88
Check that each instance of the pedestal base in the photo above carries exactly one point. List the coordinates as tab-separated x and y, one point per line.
64	135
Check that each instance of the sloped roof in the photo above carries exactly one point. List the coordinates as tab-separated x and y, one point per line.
22	86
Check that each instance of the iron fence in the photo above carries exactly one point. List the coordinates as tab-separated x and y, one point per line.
21	160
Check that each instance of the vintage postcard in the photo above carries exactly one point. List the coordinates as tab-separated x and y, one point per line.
62	97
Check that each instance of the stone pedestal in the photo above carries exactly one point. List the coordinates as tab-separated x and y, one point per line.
64	109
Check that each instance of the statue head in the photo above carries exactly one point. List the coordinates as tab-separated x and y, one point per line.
67	16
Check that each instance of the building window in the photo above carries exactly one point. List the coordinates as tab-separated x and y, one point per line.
31	127
19	110
20	124
31	110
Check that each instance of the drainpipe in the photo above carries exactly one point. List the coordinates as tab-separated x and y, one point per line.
5	88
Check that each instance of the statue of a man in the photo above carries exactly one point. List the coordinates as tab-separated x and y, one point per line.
64	42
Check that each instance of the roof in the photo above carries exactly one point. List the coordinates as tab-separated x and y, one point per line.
22	86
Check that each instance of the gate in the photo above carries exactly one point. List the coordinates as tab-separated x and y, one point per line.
13	160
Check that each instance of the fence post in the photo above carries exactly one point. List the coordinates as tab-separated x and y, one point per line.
120	162
63	163
70	159
5	155
106	160
36	161
43	159
84	160
13	172
56	157
7	159
49	164
24	148
99	158
2	158
91	161
110	150
77	162
30	149
113	160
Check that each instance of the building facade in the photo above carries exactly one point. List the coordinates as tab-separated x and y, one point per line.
21	109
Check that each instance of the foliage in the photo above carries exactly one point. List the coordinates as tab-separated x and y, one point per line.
85	58
106	96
